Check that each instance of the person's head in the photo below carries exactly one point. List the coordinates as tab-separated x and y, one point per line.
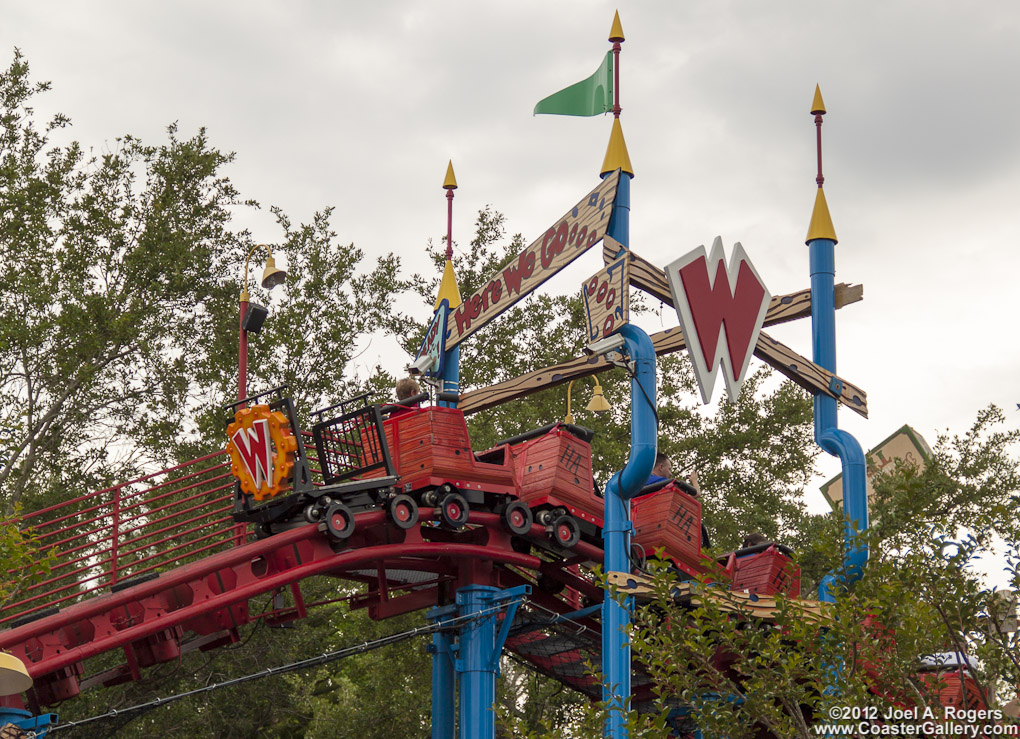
406	388
663	467
755	539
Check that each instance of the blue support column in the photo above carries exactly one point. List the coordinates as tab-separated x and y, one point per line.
444	703
450	379
476	673
480	647
621	488
827	434
616	533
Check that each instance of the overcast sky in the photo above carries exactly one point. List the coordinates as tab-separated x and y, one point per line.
359	105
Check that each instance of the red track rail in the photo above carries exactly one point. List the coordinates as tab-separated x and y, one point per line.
201	569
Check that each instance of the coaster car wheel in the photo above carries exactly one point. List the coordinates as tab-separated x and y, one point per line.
565	531
339	521
517	518
454	510
403	511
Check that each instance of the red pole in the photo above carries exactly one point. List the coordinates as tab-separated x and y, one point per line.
242	354
818	138
616	79
449	224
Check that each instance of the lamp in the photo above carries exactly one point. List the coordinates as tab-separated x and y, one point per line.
14	678
598	403
271	277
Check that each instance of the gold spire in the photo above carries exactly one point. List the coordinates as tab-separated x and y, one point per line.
450	183
448	288
821	222
616	32
818	105
616	153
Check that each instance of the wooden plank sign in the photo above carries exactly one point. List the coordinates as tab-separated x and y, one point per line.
432	345
582	227
905	446
606	299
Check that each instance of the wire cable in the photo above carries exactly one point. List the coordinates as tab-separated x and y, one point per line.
447	625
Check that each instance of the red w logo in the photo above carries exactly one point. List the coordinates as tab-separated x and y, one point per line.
256	450
721	312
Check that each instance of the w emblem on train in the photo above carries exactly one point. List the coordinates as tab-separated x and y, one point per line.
261	446
721	312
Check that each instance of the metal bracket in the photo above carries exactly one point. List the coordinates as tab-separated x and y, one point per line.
835	386
511	611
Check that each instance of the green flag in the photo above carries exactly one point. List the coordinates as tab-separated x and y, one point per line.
592	96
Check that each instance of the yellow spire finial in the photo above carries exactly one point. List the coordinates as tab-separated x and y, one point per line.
818	105
448	288
616	153
616	32
821	221
450	183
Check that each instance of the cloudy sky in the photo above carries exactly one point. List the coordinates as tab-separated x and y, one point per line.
359	105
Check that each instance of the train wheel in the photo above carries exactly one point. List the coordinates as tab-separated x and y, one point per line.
339	521
566	532
404	511
312	513
262	530
454	510
517	517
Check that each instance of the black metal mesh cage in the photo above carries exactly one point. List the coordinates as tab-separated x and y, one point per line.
352	443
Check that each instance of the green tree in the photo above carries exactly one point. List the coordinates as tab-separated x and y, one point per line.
118	312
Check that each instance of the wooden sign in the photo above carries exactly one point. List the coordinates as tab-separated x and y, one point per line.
433	344
651	279
606	297
582	227
816	380
906	446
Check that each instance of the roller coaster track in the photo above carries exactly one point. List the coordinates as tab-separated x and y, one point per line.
156	566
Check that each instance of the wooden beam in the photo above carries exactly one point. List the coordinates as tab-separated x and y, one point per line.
785	360
651	279
739	602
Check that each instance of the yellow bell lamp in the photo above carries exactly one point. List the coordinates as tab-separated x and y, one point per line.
598	403
14	678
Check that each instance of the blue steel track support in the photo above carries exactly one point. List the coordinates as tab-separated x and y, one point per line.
444	697
478	652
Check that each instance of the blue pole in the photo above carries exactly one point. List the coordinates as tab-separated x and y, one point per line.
451	375
443	679
623	486
827	435
477	673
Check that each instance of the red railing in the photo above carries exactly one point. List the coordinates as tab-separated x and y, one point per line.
146	525
149	524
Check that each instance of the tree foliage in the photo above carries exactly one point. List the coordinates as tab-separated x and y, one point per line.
118	312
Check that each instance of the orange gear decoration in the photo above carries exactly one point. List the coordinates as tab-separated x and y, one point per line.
281	437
